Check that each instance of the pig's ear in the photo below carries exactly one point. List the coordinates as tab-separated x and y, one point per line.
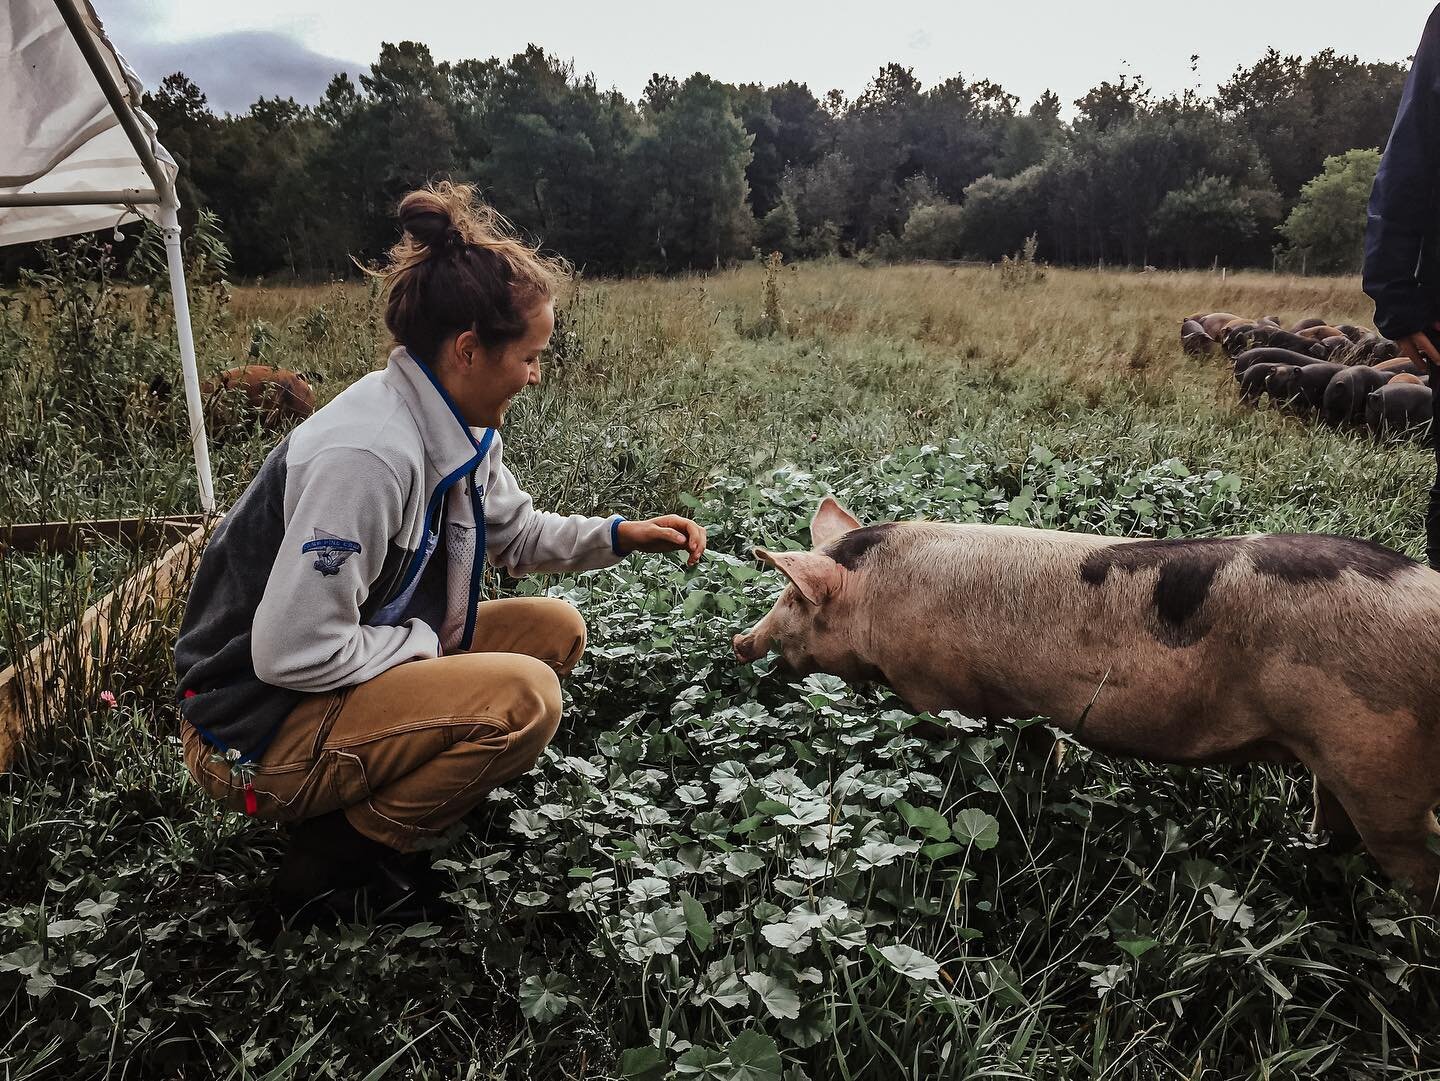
816	576
831	522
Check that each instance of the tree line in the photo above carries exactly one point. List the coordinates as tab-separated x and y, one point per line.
698	172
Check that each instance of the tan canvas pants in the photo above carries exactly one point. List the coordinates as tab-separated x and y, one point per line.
409	752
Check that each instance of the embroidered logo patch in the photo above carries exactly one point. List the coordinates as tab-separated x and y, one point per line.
332	551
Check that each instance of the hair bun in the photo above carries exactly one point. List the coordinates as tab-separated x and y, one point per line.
460	266
426	219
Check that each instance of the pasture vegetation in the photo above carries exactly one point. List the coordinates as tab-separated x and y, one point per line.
713	873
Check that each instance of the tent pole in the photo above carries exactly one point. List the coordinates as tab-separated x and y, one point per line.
170	224
119	104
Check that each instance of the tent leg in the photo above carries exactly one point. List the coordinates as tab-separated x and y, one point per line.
170	224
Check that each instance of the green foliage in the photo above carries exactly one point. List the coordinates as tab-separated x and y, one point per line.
1209	219
715	872
1022	269
998	215
1325	232
692	163
683	177
1300	111
772	314
779	231
934	231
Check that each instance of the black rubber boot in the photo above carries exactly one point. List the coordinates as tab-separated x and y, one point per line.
332	873
409	891
327	862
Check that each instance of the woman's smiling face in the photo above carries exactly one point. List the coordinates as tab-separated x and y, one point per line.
484	381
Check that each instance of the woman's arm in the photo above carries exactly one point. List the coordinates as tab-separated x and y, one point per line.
524	540
343	508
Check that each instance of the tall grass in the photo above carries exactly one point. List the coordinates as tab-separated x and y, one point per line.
714	871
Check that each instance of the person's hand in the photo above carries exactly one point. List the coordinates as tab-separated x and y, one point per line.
668	533
1419	348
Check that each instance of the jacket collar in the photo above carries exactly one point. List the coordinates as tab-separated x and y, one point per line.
450	443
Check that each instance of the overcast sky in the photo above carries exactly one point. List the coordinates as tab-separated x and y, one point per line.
237	52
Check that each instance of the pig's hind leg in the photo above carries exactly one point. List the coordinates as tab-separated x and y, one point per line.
1388	789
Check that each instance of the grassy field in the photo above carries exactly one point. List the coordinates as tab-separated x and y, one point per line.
714	874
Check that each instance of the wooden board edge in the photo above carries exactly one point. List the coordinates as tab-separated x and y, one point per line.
68	536
25	680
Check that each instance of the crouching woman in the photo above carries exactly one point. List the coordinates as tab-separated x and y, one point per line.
336	668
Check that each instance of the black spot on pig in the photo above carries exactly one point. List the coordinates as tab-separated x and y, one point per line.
851	549
1321	557
1188	569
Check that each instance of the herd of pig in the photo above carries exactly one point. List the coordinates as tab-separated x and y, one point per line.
1345	375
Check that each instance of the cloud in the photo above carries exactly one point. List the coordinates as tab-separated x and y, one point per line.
235	69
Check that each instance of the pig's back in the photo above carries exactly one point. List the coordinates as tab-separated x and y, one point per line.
1318	593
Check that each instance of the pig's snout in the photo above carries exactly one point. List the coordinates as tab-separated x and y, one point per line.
747	648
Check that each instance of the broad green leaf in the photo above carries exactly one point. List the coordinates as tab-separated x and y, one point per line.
1004	983
926	819
941	850
779	999
847	934
701	933
643	1064
911	962
1136	947
753	1057
741	864
786	936
722	985
65	928
542	998
658	932
878	854
1226	906
1197	874
812	1026
976	827
1108	978
648	889
704	1064
732	778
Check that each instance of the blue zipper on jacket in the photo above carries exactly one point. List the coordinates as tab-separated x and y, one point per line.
477	503
477	572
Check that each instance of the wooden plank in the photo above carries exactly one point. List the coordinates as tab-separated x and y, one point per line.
68	536
39	678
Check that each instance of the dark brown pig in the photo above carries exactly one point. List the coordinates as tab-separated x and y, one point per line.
1346	393
1227	649
1298	388
276	396
1398	407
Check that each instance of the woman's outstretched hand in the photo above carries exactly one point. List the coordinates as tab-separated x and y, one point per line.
1419	348
668	533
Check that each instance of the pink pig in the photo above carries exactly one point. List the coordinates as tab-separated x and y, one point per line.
1271	647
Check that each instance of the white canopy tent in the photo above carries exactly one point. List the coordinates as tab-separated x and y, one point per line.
80	155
